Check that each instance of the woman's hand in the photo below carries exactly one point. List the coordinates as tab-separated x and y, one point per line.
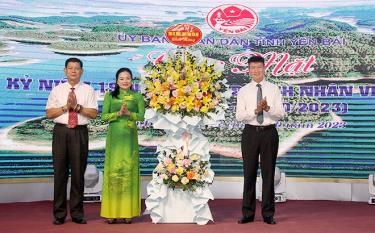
124	110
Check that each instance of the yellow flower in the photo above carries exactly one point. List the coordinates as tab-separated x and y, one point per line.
189	108
190	102
157	83
195	89
204	86
154	102
175	178
174	75
180	92
162	100
179	170
181	83
206	99
180	100
204	109
175	108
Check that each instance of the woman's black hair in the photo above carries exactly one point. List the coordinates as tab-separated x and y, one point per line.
116	91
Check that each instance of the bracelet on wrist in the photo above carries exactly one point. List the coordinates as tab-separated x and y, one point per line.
64	109
78	108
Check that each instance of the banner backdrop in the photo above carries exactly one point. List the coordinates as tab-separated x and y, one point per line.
320	53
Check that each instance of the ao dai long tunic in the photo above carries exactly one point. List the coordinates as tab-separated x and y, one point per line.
121	184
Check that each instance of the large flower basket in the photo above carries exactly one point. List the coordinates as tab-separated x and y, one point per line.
183	91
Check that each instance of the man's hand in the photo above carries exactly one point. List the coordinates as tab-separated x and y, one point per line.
264	105
259	109
72	101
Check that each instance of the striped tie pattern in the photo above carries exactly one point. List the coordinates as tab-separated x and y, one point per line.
73	116
260	117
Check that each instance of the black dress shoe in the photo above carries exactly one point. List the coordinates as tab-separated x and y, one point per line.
79	220
244	220
58	221
127	220
269	220
111	221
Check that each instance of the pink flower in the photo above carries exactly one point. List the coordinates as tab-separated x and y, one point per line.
186	162
187	89
199	95
167	161
174	93
170	79
150	95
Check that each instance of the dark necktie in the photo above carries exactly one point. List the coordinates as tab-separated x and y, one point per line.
260	117
73	116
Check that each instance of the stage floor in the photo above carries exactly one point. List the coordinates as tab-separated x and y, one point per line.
292	216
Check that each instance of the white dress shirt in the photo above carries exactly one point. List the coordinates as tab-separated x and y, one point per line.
247	103
85	96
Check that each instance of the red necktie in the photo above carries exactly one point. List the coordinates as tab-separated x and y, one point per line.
73	116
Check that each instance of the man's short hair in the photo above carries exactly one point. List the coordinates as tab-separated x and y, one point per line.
255	59
73	59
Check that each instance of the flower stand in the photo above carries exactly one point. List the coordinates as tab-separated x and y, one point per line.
167	205
183	90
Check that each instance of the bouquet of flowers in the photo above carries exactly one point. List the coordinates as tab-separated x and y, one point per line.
177	169
187	83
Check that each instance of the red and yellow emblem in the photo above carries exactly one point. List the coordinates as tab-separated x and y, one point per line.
183	34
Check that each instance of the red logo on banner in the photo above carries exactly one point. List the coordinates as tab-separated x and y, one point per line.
232	19
183	34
